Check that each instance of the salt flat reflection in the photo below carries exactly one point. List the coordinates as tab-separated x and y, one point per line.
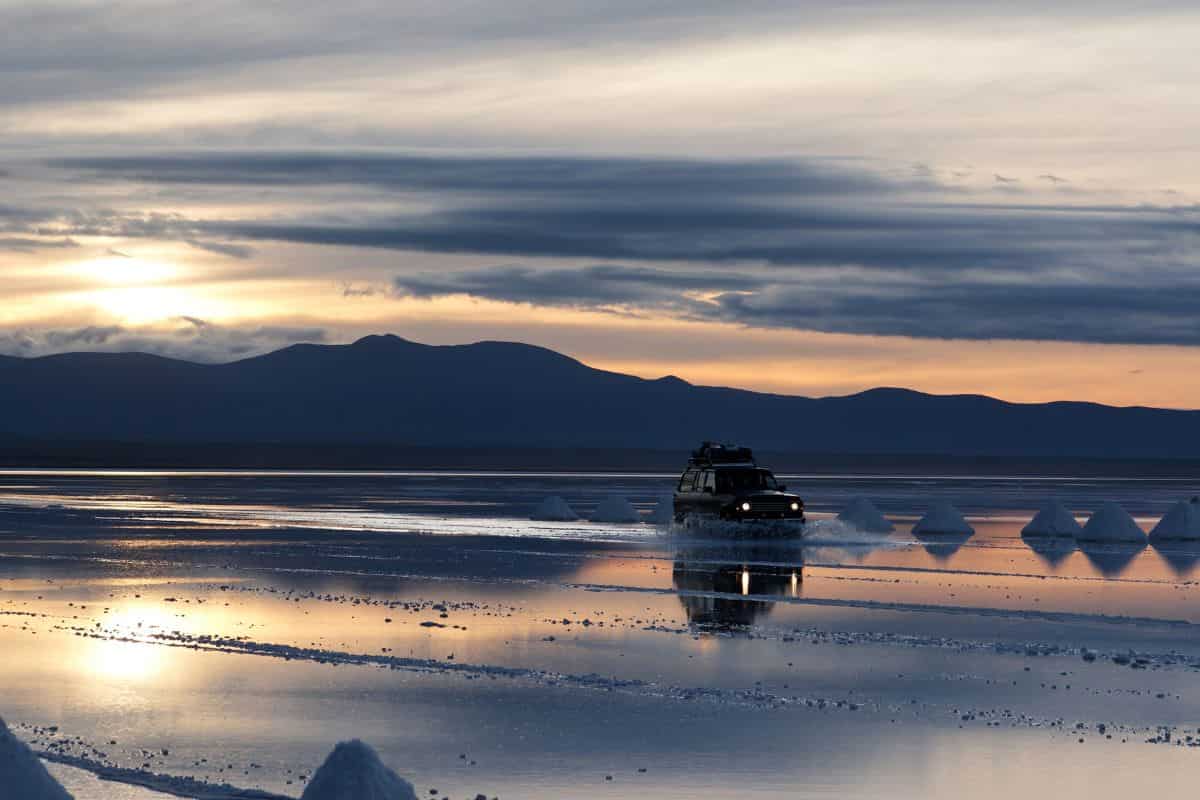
1052	550
721	588
1182	558
1111	559
942	546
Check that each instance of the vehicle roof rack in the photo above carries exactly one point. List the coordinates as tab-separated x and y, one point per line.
714	453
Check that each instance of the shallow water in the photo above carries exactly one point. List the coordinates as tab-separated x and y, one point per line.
231	627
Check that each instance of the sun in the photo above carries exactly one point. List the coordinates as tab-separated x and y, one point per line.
125	271
138	291
137	305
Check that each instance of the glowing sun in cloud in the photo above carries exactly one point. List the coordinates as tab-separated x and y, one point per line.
143	304
125	271
137	290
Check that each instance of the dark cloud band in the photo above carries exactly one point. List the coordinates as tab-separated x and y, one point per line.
1102	314
815	245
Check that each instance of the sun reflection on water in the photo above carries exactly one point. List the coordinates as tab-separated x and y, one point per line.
124	660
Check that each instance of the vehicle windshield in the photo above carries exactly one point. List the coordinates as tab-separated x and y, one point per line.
732	481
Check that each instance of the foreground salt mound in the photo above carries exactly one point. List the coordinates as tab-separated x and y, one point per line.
943	520
22	774
554	509
1181	523
862	514
1111	524
1053	520
616	509
353	771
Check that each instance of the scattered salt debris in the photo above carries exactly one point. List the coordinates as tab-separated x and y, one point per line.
862	514
353	771
22	773
616	509
1111	524
1053	520
554	509
943	519
664	511
1181	523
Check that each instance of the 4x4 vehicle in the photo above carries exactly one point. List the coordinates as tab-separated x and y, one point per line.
723	481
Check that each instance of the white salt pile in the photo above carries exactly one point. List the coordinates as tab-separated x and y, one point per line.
664	512
1111	524
943	519
1053	520
616	509
22	774
1181	523
862	515
554	509
353	771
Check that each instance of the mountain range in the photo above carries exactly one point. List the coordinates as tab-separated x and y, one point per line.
387	391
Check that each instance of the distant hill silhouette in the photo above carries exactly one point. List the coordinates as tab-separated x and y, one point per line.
384	390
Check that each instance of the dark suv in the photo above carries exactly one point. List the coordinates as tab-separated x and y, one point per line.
723	481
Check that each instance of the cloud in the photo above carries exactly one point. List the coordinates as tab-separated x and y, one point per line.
807	244
908	238
238	251
86	337
578	177
796	212
61	49
866	305
22	244
351	289
189	338
588	287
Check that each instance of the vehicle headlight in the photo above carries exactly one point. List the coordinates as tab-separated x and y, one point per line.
745	506
795	506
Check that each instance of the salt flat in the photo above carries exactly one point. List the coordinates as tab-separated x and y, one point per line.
230	628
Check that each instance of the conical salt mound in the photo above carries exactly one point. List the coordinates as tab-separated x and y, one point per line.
354	772
1181	523
862	514
616	509
22	774
943	519
1111	524
554	509
1053	520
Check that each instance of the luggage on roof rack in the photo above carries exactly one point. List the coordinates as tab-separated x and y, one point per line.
715	453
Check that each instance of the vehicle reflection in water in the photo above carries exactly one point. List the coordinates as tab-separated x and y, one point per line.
719	592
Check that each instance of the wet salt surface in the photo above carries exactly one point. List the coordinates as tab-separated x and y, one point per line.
231	629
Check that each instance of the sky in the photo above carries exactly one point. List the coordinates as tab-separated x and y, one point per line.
796	197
